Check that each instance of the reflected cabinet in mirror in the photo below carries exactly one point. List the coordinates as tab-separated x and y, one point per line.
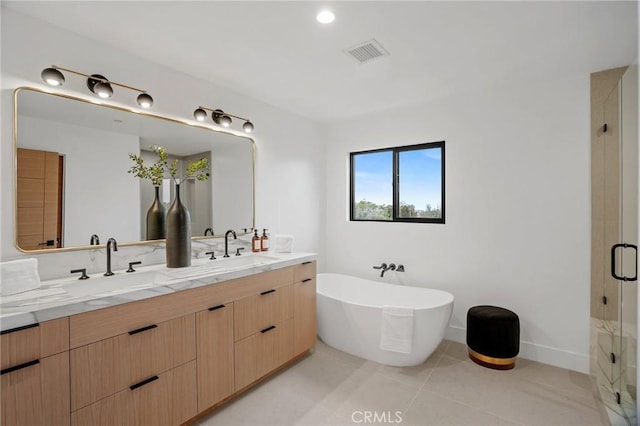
73	188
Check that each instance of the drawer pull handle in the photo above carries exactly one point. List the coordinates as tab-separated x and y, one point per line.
19	367
306	263
216	307
144	382
267	292
267	329
306	280
24	327
140	330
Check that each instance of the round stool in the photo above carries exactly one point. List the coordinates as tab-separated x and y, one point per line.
493	337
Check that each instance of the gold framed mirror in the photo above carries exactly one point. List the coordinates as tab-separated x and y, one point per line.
71	172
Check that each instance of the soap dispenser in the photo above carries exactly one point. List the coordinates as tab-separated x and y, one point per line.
255	242
264	241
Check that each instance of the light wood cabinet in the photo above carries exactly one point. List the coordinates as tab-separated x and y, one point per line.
262	310
35	374
263	352
158	361
167	399
108	366
304	312
215	354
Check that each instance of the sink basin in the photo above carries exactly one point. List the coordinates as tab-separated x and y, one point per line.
116	283
124	282
221	264
244	261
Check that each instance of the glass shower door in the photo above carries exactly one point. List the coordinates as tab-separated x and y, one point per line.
624	263
617	338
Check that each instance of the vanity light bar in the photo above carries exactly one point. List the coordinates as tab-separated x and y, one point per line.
97	84
222	118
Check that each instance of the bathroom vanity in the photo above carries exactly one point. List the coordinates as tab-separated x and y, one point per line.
159	349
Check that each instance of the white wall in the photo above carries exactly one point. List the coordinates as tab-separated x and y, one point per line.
517	210
88	187
289	148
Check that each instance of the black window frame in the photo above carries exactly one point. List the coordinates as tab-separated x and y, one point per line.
395	184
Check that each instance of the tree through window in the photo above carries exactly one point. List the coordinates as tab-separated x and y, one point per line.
401	184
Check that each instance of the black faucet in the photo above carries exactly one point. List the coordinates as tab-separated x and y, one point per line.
226	241
208	230
110	243
95	240
384	268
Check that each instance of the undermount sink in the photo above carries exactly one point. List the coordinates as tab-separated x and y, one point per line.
139	280
220	264
250	260
123	282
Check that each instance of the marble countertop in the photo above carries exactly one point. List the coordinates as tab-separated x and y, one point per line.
70	296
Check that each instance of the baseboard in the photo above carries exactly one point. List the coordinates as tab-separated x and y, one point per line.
535	352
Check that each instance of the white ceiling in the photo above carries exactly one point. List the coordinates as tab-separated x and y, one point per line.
278	53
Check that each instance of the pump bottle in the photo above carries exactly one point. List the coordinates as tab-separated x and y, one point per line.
264	241
255	242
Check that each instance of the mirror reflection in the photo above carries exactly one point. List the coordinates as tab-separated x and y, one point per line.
73	185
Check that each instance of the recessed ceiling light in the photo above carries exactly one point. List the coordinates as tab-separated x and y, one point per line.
325	17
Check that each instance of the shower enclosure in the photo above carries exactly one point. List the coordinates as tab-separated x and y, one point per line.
614	213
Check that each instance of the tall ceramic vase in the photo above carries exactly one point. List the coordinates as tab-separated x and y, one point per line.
156	219
178	234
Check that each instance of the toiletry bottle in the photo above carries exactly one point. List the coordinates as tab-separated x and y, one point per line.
255	242
264	241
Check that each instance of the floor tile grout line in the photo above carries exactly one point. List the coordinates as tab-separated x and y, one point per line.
415	396
476	408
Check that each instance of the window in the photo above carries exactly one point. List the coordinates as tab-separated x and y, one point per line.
402	184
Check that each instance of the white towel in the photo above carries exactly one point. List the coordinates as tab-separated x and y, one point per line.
283	243
396	333
18	276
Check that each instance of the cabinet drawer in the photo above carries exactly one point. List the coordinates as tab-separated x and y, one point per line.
32	342
263	352
165	399
37	394
261	310
304	271
111	365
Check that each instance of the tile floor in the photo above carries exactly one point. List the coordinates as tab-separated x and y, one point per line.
330	387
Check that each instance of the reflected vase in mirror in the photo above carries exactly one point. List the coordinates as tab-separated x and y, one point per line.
156	218
178	244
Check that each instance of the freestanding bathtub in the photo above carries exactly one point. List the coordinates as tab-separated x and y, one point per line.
350	317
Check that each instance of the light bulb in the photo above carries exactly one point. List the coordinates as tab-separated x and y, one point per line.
103	90
248	127
145	100
200	114
52	77
225	120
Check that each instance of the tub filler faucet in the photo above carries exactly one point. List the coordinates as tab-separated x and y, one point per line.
390	267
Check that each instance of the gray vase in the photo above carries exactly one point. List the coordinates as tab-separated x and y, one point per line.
156	219
178	244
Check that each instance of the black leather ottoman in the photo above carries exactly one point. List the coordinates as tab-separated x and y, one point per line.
493	336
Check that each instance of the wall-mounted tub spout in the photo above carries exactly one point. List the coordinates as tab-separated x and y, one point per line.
390	267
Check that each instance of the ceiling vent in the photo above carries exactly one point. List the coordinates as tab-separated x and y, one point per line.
367	51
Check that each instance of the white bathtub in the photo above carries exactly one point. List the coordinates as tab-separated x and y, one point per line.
350	317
